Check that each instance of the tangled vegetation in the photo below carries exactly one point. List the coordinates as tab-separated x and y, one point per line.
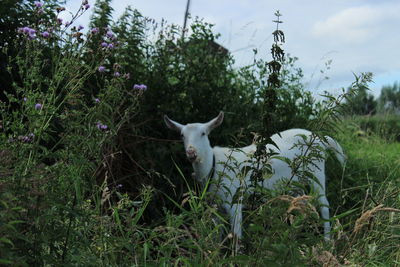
89	175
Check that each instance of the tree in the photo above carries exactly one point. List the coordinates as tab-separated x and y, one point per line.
389	100
360	102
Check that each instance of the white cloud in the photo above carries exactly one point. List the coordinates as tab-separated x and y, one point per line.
352	25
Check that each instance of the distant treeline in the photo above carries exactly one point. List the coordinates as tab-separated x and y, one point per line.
364	103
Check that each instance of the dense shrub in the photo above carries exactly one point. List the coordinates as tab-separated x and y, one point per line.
90	175
54	142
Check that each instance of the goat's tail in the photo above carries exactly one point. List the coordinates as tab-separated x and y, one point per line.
337	149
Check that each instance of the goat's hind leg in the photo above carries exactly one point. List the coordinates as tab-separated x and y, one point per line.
324	210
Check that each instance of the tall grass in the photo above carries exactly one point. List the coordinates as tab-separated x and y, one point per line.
66	198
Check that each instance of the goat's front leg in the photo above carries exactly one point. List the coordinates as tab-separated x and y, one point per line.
235	216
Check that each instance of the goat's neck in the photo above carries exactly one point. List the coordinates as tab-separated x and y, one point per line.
203	168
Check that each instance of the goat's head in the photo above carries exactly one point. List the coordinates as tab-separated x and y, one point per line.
195	136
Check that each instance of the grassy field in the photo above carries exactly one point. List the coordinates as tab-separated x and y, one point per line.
90	175
111	230
370	184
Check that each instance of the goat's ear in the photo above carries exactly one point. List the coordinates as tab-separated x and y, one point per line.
173	125
214	123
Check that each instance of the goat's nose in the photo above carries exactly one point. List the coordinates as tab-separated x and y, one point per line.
191	153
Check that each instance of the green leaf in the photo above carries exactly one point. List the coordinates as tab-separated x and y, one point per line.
7	241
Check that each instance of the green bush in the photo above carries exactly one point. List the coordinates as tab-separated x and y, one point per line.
89	175
54	137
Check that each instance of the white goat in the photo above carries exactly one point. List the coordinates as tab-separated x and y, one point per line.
209	163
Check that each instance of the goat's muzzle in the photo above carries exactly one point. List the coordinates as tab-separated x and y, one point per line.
191	154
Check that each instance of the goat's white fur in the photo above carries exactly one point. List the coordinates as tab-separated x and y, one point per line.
290	144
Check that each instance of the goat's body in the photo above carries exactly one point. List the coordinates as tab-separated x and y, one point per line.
290	144
297	146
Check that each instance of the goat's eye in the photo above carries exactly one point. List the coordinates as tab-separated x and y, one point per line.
203	134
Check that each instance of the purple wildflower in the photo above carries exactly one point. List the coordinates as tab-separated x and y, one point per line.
110	46
80	27
67	23
26	29
101	69
110	34
38	106
27	138
60	20
38	4
94	30
31	33
119	186
25	99
86	6
45	34
117	74
104	44
140	87
97	100
101	126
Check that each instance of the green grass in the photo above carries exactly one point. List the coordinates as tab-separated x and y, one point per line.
363	198
73	194
371	178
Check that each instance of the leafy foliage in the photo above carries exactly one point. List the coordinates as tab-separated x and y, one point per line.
86	175
360	102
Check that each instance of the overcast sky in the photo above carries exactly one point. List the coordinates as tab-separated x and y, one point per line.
357	35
